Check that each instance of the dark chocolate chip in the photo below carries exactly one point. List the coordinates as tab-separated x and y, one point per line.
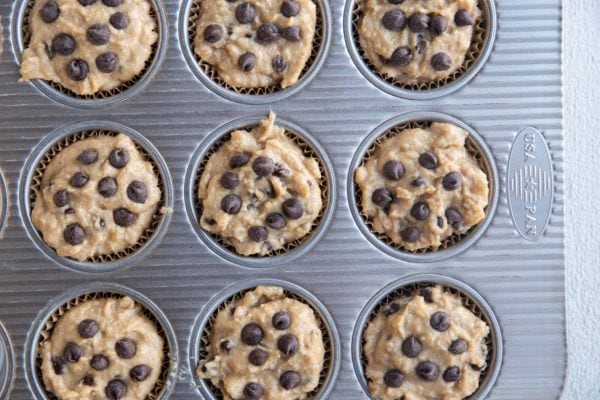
74	234
401	57
119	20
124	218
393	378
275	221
441	61
72	352
118	158
440	321
458	346
393	170
463	18
231	204
392	309
49	11
267	33
140	373
440	222
107	62
292	208
116	389
410	234
418	182
263	166
382	197
78	69
88	156
253	391
451	374
79	179
418	22
428	160
427	295
279	64
288	344
107	186
427	371
61	198
226	346
290	8
452	181
453	217
125	348
69	211
421	43
281	320
395	1
88	380
291	33
88	328
213	33
99	362
239	160
289	380
252	334
245	13
59	365
229	180
476	367
258	233
137	192
394	20
438	25
86	2
98	34
411	347
247	62
63	44
420	211
258	357
112	3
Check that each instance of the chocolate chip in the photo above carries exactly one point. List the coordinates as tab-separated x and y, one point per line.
395	1
137	192
78	69
453	217
115	389
288	344
463	18
418	22
118	158
267	33
420	211
427	295
428	160
440	321
438	25
401	57
252	334
393	378
281	171
88	156
49	11
124	218
107	186
451	374
140	373
213	33
393	170
125	348
98	34
391	309
290	8
69	211
458	346
88	380
281	320
72	352
263	166
394	20
107	62
229	180
63	44
86	2
74	234
382	197
79	179
452	181
99	362
440	222
421	43
289	380
239	160
258	357
247	62
226	346
88	328
61	198
119	20
59	365
418	182
410	234
427	371
112	3
441	61
258	233
275	221
291	33
411	347
245	13
231	204
253	391
292	208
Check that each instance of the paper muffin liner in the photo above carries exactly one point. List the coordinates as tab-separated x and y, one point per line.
472	149
103	94
48	326
308	151
475	51
68	140
212	73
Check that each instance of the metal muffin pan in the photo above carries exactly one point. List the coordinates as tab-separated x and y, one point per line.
7	363
522	280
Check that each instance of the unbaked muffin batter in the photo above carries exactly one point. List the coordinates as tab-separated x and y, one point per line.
264	346
255	44
421	185
88	46
427	347
416	41
97	197
258	191
102	349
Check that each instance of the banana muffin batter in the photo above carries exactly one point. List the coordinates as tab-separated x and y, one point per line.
264	346
254	44
96	197
416	41
426	347
258	191
102	349
89	46
421	186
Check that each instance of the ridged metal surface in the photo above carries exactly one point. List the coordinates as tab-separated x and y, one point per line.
523	281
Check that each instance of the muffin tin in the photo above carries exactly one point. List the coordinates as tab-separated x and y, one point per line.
176	113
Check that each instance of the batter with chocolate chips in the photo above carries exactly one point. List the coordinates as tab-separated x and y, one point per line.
421	186
428	346
88	46
96	197
102	349
258	191
264	346
254	44
417	41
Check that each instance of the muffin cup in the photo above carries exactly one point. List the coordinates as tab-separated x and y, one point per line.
452	245
63	137
7	364
407	286
3	203
43	325
21	35
292	250
482	45
209	76
204	322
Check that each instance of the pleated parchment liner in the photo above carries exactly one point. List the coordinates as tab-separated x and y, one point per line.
403	293
327	341
26	34
477	43
473	150
213	74
46	334
66	141
323	184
